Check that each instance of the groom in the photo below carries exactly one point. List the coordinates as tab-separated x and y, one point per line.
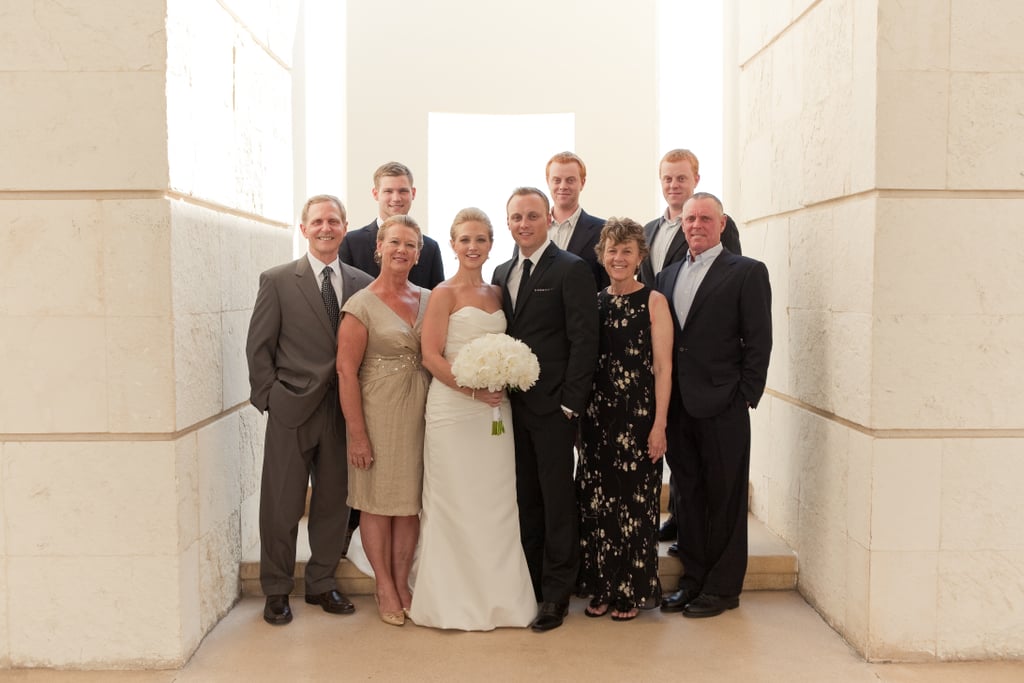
550	303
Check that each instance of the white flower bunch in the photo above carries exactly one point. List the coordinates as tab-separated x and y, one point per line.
494	362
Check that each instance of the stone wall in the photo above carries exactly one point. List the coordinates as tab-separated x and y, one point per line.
145	181
879	176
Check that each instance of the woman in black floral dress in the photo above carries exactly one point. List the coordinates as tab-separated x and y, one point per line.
618	478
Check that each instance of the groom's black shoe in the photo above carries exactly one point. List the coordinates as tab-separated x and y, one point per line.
549	616
675	602
709	605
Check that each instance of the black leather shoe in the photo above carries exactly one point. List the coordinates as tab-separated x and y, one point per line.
669	530
673	550
549	616
675	602
332	601
277	611
709	605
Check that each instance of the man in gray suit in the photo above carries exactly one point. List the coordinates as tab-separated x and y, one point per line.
292	349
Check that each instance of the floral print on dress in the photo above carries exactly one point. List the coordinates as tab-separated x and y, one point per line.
618	487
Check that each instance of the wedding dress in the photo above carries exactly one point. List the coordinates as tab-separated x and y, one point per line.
470	571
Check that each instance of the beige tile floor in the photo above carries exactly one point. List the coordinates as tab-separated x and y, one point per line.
773	636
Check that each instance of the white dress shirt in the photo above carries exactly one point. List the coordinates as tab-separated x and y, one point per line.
319	267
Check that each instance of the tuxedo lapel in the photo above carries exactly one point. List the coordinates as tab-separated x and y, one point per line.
305	281
538	271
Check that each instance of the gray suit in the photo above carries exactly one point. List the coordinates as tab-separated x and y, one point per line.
292	351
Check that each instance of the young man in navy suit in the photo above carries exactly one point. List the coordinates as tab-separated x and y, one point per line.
721	306
394	192
679	174
572	228
550	303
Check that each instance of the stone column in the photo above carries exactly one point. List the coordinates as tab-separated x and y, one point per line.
880	179
145	180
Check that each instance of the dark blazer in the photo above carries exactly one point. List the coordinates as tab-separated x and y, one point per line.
357	250
584	242
557	319
677	248
292	348
725	342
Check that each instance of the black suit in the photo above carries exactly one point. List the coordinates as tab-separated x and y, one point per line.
557	318
677	248
720	367
359	245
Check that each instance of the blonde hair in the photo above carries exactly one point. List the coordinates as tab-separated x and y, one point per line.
471	213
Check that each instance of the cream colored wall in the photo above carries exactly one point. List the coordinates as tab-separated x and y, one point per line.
879	177
594	58
145	181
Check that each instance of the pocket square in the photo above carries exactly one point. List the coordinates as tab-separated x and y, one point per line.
540	290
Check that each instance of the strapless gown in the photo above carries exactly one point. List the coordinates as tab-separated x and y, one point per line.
470	571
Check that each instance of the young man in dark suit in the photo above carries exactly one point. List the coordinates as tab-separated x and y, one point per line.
550	303
721	306
679	173
572	228
292	349
394	192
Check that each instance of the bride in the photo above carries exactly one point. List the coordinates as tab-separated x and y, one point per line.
470	572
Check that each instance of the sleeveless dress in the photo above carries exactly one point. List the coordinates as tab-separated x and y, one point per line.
470	572
617	484
394	389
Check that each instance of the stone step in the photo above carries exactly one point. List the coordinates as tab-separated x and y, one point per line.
771	566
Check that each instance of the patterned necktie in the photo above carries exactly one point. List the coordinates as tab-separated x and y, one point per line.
527	267
330	298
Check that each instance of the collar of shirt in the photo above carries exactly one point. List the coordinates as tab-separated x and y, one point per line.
670	222
318	266
705	256
570	221
535	257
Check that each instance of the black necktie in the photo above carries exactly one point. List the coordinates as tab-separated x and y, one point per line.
330	298
527	267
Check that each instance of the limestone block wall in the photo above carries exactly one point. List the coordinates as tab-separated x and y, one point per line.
879	177
145	181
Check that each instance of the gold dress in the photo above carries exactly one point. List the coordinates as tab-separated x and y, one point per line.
394	391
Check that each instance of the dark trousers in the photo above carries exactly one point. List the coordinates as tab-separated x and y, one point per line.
292	458
548	522
710	461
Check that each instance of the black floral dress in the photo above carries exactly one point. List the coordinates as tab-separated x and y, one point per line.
617	484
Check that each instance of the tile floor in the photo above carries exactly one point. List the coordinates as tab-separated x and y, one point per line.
773	636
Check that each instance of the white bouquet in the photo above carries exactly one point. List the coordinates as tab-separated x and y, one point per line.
494	362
